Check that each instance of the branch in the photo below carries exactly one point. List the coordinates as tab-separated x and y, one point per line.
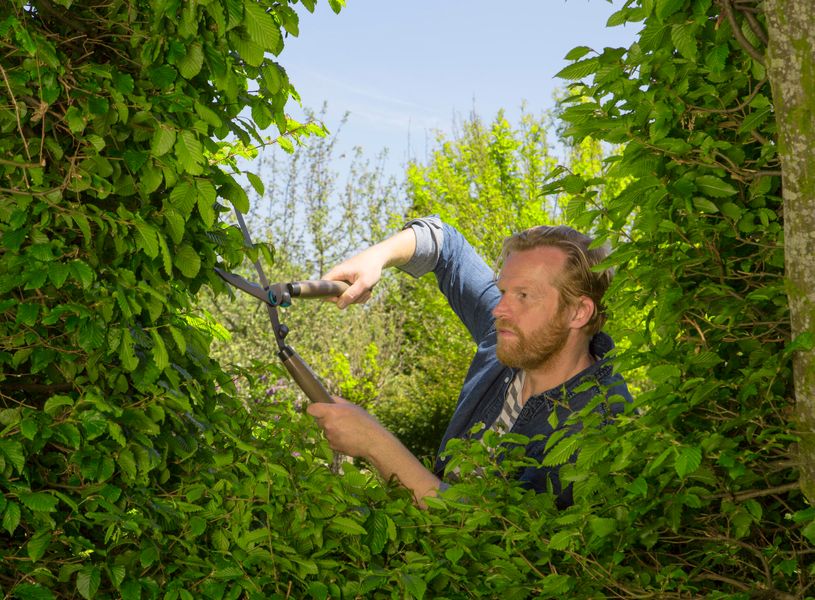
739	108
743	41
756	27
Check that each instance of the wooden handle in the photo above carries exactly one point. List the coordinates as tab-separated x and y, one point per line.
320	288
304	376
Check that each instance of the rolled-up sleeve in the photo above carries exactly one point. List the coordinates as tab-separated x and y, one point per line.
429	240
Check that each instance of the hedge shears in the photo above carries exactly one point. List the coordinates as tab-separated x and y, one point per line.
281	294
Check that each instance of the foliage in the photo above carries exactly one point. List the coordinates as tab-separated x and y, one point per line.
702	485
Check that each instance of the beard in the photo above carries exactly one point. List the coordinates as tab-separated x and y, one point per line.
533	349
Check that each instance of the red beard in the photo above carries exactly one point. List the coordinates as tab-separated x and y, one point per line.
533	349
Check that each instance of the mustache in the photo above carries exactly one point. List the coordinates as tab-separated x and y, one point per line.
502	324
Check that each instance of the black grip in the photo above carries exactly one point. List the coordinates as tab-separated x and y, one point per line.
304	376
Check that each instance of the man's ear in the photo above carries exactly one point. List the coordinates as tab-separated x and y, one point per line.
581	312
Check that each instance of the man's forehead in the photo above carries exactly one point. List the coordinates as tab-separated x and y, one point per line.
530	269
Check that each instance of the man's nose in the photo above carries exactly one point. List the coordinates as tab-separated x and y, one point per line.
501	310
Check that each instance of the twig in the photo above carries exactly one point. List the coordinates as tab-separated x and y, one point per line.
743	41
739	108
19	123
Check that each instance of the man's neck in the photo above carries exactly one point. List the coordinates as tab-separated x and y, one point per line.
559	369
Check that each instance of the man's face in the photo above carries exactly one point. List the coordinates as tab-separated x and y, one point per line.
532	328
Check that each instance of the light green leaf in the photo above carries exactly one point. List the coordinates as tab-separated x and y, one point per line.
683	35
257	183
601	527
160	356
661	373
577	53
206	199
189	152
190	64
249	51
39	501
562	540
146	238
183	197
187	260
580	69
262	28
688	461
163	140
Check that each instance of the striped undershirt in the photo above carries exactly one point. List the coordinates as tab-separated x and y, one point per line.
512	405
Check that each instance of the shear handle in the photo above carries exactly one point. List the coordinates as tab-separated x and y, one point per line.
319	288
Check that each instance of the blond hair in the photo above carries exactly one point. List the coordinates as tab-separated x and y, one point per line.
578	277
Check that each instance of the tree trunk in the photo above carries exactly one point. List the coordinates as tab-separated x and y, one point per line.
791	69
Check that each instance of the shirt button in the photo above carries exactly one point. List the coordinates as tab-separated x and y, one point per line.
506	380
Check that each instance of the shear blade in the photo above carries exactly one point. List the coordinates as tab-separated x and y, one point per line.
242	284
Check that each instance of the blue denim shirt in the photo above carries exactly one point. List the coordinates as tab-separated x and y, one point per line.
470	287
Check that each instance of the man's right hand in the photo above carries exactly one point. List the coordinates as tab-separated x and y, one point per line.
364	270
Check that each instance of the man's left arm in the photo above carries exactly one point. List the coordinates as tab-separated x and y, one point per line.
352	431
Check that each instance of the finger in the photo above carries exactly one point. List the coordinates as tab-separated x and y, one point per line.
353	294
338	400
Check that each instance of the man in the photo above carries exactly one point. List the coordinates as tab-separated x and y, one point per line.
537	330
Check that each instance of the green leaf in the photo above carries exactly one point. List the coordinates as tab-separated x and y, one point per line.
187	260
189	152
88	580
163	140
346	525
602	527
683	36
38	544
580	69
714	187
704	205
146	238
27	314
665	8
160	356
13	451
126	354
11	517
183	197
31	591
190	64
262	28
257	183
562	540
206	199
82	272
54	403
661	373
134	159
688	461
577	53
414	585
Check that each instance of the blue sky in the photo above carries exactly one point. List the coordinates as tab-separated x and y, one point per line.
406	69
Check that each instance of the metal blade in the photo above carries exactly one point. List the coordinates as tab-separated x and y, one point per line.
244	285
